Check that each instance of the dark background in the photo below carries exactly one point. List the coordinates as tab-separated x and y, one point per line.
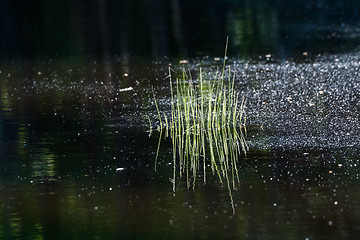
175	28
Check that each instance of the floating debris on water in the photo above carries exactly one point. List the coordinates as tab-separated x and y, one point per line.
126	89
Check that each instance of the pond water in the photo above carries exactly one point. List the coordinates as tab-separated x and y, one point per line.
77	161
76	158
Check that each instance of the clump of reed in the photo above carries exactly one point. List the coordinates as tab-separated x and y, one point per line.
206	127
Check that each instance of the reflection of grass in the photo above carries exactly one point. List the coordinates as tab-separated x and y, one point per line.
206	126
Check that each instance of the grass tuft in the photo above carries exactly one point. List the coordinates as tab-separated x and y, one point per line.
206	126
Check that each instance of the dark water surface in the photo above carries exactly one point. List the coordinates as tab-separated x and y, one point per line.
157	28
76	159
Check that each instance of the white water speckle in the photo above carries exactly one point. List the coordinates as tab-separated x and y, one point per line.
126	89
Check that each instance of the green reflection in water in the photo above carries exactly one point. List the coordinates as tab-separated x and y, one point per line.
6	96
22	141
44	166
252	28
